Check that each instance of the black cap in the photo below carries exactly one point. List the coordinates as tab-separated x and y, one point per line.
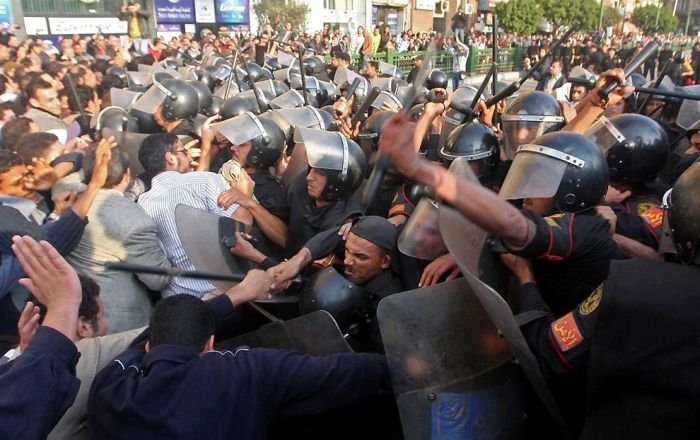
378	230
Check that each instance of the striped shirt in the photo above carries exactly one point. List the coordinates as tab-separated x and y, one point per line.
198	189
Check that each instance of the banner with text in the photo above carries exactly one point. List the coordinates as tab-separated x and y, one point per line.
174	11
232	11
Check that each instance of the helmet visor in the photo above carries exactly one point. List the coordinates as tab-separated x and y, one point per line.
604	134
289	99
324	149
149	101
240	129
689	111
421	237
533	174
123	98
144	79
521	130
303	117
387	101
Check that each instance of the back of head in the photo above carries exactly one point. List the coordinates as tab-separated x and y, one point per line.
33	145
181	320
684	214
116	168
89	308
153	149
13	130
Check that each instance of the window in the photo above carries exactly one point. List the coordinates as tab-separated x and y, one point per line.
329	4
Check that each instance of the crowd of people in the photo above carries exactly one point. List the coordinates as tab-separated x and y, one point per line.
253	155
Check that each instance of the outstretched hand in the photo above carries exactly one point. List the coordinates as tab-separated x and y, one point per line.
52	281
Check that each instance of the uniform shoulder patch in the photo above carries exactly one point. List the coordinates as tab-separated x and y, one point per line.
553	220
644	206
654	216
566	332
591	303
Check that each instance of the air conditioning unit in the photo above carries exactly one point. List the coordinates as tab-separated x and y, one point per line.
468	9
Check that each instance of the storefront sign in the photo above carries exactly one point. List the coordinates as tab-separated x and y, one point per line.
232	11
174	11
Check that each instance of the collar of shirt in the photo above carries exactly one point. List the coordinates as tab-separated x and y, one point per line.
379	282
28	208
175	354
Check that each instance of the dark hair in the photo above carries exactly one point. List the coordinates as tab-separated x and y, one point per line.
116	168
374	64
33	145
13	130
9	159
182	320
343	56
153	149
36	85
109	81
88	305
85	94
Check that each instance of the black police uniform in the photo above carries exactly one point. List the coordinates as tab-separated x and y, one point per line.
306	219
570	255
637	334
640	218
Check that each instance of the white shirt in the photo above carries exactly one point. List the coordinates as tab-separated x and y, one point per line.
198	189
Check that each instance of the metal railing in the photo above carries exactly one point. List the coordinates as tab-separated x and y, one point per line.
479	61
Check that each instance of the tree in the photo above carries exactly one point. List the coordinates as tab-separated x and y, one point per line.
583	13
611	16
269	11
645	19
519	16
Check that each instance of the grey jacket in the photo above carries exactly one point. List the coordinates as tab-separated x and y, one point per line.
119	230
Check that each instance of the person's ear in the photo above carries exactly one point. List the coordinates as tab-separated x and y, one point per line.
33	102
209	345
85	329
147	347
386	262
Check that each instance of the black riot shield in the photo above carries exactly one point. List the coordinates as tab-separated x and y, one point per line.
461	238
205	238
451	370
129	142
315	334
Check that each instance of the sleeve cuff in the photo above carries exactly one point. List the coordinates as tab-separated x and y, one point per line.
222	307
531	231
49	341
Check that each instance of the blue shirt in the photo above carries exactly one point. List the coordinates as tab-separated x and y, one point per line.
199	189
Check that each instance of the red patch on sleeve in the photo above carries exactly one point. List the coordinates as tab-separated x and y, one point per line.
654	216
566	332
399	209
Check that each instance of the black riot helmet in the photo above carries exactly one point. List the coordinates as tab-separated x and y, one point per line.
170	63
636	145
206	77
204	95
216	104
330	291
267	139
459	112
340	159
528	117
684	215
117	71
695	128
235	106
475	142
371	129
256	72
181	100
115	118
272	64
562	165
313	65
437	79
161	76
